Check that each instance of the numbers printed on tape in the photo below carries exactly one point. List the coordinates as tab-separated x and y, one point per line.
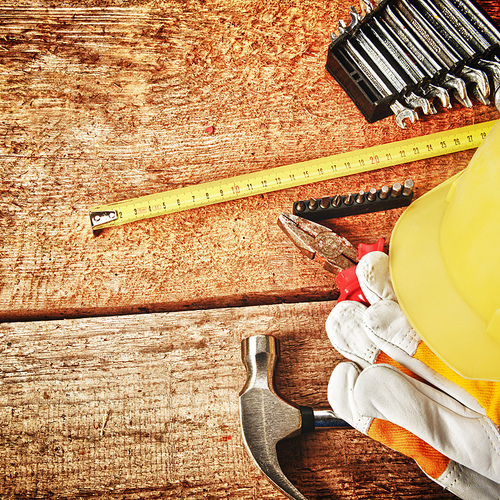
298	174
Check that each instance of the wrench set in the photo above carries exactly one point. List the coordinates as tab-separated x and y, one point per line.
374	200
405	55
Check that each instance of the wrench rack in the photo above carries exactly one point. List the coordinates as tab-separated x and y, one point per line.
406	55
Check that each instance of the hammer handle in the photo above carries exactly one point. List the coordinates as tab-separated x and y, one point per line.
320	419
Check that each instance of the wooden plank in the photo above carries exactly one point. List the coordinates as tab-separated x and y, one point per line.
145	406
102	102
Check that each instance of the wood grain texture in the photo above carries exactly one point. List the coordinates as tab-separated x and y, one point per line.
103	101
146	406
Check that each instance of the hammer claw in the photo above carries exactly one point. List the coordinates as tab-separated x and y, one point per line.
266	418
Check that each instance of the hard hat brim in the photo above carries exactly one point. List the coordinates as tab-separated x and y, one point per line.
428	297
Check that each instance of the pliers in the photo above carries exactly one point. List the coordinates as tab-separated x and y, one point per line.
337	254
319	243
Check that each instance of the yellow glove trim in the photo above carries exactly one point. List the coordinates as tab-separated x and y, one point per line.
487	393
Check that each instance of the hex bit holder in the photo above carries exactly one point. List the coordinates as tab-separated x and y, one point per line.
374	200
401	56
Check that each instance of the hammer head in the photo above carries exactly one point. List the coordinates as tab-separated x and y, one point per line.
266	418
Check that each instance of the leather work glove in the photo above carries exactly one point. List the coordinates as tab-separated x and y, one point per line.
397	391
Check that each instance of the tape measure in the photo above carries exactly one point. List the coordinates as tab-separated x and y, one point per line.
297	174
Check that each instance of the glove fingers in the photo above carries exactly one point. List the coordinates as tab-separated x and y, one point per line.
390	331
347	334
408	415
341	396
382	392
344	327
374	277
341	390
387	327
468	484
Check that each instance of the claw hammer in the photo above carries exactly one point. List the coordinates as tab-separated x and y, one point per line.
266	418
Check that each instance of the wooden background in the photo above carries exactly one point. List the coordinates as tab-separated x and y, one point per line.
120	353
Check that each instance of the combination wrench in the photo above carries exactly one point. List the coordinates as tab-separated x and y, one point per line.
406	55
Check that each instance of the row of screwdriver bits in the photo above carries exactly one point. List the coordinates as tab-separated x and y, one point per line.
407	55
374	200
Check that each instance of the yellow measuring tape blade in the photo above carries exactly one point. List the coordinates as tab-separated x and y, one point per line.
297	174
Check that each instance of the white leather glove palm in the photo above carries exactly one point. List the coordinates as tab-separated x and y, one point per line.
398	392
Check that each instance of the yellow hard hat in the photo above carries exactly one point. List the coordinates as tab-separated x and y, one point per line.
445	265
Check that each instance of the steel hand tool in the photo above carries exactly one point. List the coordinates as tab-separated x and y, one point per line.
336	253
445	47
434	67
380	88
267	418
374	200
403	54
319	243
384	37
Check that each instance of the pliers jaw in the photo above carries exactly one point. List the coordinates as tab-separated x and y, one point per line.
319	243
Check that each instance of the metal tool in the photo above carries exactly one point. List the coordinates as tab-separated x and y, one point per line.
434	68
384	36
448	55
395	76
319	243
442	53
492	68
447	30
401	112
418	50
477	18
424	59
464	26
385	76
333	207
267	418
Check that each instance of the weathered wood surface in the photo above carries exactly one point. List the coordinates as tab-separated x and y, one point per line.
146	406
103	101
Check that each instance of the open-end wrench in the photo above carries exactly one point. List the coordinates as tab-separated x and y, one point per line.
480	22
393	74
356	17
405	54
385	37
388	39
434	43
366	6
447	52
468	31
492	68
400	111
476	40
425	59
412	44
449	32
458	89
481	87
443	60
